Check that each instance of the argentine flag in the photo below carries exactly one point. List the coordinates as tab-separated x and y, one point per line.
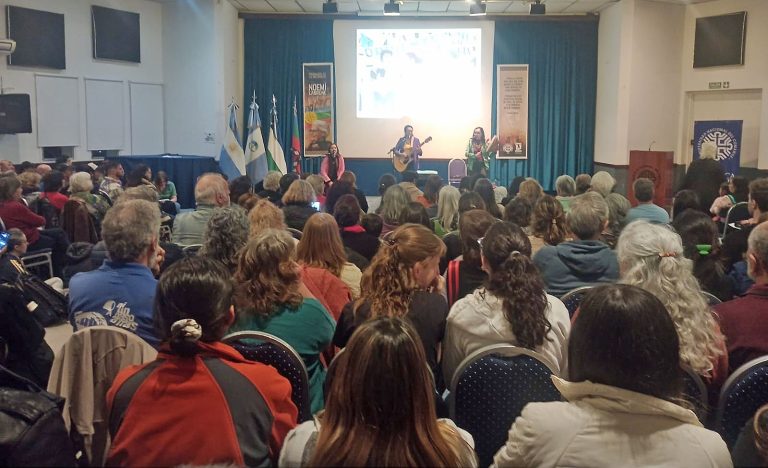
232	158
275	155
255	151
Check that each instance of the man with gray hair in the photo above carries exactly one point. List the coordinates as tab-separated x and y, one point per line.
271	187
121	292
211	192
584	261
744	321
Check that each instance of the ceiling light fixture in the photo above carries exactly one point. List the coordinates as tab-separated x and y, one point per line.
330	7
477	8
391	8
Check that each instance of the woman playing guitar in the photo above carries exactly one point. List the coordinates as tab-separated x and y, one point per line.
407	151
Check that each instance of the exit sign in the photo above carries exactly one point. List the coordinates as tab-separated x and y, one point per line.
719	84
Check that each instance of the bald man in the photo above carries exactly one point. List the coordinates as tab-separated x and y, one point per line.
211	192
6	166
43	169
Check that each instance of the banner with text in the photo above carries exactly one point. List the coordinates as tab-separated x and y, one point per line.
512	111
721	139
318	108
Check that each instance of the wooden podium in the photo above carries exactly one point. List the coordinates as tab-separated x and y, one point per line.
654	165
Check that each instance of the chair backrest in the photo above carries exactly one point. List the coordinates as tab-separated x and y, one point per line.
44	208
711	298
272	351
572	299
295	233
490	389
742	394
695	393
457	168
736	213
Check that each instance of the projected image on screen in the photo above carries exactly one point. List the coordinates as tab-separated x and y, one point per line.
417	72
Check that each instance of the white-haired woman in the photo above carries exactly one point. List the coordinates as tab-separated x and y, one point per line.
603	183
651	257
447	219
81	185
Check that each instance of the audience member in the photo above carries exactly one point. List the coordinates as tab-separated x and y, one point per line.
565	187
140	175
238	187
402	281
81	186
618	207
583	183
584	261
514	188
393	208
511	308
353	235
211	192
336	191
385	182
225	234
121	292
319	187
297	204
372	223
432	189
270	297
465	273
265	215
321	247
704	176
11	266
685	200
467	201
166	189
751	448
612	416
349	176
271	185
380	409
651	257
701	244
602	183
530	191
7	166
409	185
30	184
112	184
417	214
157	417
499	195
518	211
53	182
735	240
447	219
484	188
744	320
43	169
285	182
548	225
646	209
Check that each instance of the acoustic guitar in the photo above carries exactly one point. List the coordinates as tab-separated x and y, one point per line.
401	162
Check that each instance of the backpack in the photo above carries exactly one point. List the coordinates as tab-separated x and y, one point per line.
42	206
32	431
52	307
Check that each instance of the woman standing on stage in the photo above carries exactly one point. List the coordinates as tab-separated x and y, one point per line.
478	153
333	165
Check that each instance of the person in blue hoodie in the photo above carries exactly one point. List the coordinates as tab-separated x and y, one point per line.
585	261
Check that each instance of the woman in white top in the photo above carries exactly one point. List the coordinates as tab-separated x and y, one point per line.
379	408
512	308
622	395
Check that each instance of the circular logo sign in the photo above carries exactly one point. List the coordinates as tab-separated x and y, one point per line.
722	139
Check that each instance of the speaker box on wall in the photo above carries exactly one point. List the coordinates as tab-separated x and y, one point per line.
15	114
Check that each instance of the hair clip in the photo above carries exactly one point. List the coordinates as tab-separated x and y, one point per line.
667	254
704	249
554	221
187	329
389	241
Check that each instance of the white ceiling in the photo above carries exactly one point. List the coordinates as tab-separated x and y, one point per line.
429	7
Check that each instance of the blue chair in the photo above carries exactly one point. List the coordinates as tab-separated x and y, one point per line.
272	351
573	298
742	394
490	389
695	393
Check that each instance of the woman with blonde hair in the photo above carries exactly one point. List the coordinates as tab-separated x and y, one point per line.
548	226
530	190
297	204
380	409
402	281
270	297
320	246
651	257
393	208
265	215
447	219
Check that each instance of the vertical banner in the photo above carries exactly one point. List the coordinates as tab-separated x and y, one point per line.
318	108
512	111
721	139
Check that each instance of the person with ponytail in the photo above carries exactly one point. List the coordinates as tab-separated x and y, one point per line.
512	307
200	402
402	281
465	273
380	409
548	226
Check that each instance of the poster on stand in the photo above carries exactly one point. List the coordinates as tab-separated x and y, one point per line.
721	139
512	111
318	108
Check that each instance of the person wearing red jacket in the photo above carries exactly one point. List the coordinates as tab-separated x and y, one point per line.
200	402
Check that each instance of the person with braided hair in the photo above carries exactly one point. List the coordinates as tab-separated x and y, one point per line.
511	308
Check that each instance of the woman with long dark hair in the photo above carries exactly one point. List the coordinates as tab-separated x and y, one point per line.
484	188
380	409
333	165
512	308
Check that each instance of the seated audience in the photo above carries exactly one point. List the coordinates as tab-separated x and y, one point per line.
684	200
349	176
704	176
447	218
297	204
646	209
81	186
30	185
53	182
319	187
238	187
285	182
353	235
622	393
736	191
380	410
618	207
224	236
565	187
432	189
270	297
467	201
499	195
112	184
583	183
584	261
140	175
548	225
751	448
409	185
701	244
416	213
484	188
321	247
385	182
265	215
200	402
43	169
402	281
735	241
465	273
393	208
211	192
16	214
120	293
744	320
166	190
372	223
651	257
7	166
336	191
530	190
602	183
511	308
11	266
271	187
519	211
